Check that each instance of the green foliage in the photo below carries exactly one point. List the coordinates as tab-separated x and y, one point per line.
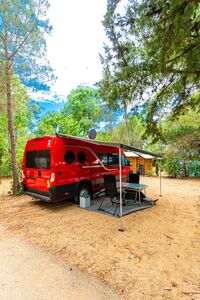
183	136
57	122
22	40
136	130
104	136
23	26
181	143
177	166
83	102
22	113
150	173
5	167
172	166
153	54
84	107
81	113
194	169
20	188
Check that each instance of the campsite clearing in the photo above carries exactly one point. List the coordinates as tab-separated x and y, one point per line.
157	257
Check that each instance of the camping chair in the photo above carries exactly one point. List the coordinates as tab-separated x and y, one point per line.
133	195
111	192
134	178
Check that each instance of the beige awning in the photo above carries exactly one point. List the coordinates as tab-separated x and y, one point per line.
131	154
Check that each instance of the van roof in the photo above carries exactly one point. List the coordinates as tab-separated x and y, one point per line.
46	137
95	142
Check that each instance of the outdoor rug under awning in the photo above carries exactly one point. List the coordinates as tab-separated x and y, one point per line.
109	209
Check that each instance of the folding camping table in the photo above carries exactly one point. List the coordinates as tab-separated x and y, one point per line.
134	187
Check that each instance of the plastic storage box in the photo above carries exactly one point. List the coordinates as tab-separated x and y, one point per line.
84	201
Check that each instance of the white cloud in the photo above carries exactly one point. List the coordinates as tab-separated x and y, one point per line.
76	41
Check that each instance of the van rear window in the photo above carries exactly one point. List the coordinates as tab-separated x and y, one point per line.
43	161
31	159
38	159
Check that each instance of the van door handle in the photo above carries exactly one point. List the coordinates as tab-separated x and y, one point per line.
59	172
39	173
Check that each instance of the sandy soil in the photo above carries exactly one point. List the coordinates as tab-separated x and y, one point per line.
27	272
157	257
5	186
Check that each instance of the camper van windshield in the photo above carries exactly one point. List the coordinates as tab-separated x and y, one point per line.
125	162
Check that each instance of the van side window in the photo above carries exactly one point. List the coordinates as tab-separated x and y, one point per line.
103	158
69	157
82	157
113	159
43	159
116	158
31	159
109	159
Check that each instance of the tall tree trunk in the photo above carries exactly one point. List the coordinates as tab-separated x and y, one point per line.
126	121
111	124
11	129
8	80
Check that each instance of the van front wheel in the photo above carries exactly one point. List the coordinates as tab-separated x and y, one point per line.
83	189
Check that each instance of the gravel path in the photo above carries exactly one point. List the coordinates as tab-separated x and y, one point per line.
28	272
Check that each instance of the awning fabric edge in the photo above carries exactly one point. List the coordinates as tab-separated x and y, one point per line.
122	146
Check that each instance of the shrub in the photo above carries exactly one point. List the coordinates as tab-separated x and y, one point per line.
5	167
173	166
194	168
150	173
20	189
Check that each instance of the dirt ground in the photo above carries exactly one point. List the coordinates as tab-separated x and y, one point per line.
157	257
29	272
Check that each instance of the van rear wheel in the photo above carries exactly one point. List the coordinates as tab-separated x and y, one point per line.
83	189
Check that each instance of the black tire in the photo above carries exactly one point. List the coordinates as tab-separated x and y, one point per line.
84	188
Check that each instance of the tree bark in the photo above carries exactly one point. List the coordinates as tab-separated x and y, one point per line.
8	86
11	128
111	124
126	121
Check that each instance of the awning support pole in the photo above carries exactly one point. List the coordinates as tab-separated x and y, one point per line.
160	178
120	184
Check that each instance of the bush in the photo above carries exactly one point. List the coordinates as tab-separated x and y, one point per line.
150	173
173	166
20	189
194	168
5	167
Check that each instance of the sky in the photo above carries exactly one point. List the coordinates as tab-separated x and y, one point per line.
75	43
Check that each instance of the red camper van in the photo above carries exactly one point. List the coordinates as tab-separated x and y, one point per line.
60	167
